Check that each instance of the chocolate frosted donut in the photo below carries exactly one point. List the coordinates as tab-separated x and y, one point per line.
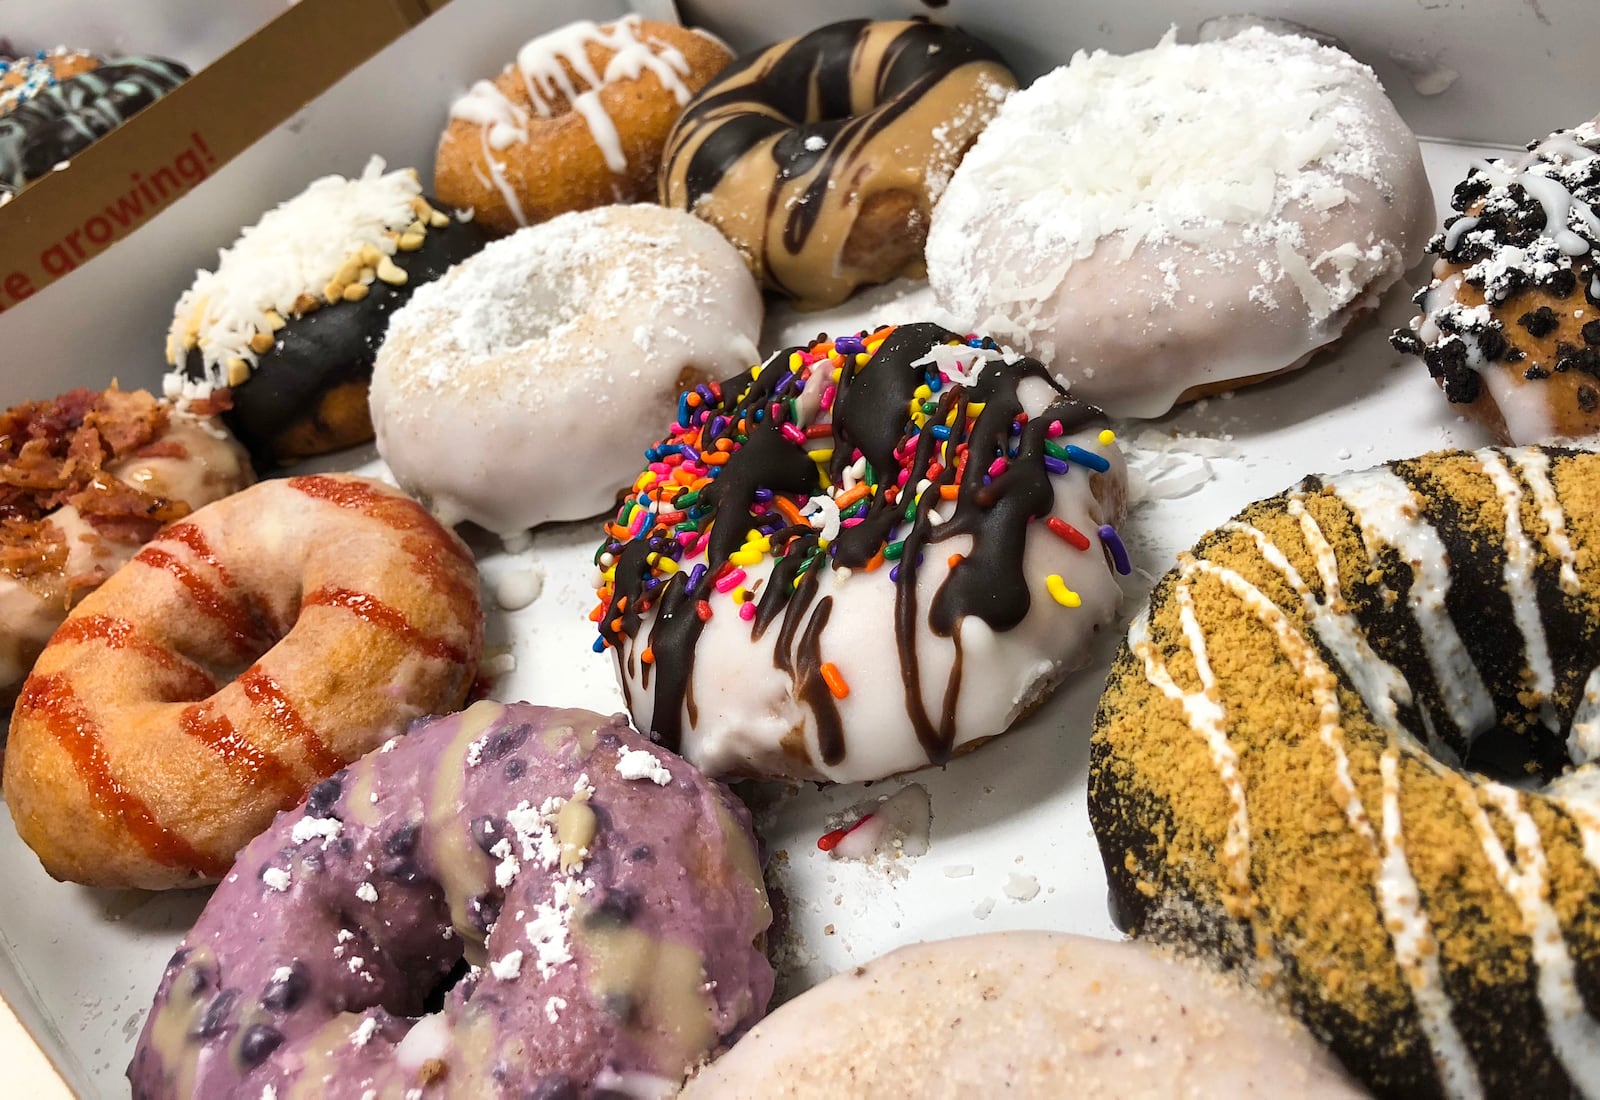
1510	324
861	557
56	121
597	901
292	318
821	157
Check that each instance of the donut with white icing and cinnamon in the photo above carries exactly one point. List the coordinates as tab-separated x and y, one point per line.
1510	324
552	351
1352	746
292	317
861	557
578	120
821	157
1037	1014
246	653
85	480
1182	220
588	908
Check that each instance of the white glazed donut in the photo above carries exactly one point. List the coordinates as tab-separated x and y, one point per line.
1025	1014
551	353
807	581
1182	220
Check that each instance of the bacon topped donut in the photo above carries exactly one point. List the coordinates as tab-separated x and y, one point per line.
245	654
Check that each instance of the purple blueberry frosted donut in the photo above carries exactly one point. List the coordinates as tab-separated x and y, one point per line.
596	900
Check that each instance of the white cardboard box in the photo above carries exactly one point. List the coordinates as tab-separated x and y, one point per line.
79	965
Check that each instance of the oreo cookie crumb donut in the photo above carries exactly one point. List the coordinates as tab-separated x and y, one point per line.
293	316
578	120
821	157
1351	746
52	120
1510	324
1182	220
861	557
588	908
1038	1014
516	390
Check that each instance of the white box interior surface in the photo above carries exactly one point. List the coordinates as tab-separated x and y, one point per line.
80	965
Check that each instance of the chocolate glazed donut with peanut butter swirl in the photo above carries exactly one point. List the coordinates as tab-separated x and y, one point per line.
861	557
820	158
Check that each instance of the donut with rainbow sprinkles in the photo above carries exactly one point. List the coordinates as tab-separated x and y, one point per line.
861	557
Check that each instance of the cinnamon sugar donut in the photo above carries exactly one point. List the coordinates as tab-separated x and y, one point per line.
246	653
821	157
1028	1014
1510	324
588	908
85	480
861	557
1353	745
577	121
1184	219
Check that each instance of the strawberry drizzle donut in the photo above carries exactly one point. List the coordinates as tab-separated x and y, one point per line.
245	654
861	557
598	901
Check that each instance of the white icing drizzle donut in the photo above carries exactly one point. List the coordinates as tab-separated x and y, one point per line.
1391	518
1161	225
516	389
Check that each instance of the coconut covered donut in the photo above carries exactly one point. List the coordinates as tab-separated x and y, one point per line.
597	902
556	346
821	157
1351	744
291	319
1510	324
577	121
85	480
1035	1014
249	651
861	557
1184	219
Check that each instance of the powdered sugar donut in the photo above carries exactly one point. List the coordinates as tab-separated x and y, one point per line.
1037	1014
1182	220
602	898
552	351
861	557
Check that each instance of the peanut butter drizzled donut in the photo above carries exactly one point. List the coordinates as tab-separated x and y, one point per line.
1353	744
245	654
592	905
861	557
578	120
1510	324
821	157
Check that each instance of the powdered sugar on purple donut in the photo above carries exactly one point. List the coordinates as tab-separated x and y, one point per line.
606	911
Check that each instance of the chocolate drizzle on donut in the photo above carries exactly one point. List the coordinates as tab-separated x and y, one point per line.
59	121
968	441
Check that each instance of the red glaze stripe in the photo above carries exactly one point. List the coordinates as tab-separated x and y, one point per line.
370	609
216	732
267	696
117	633
50	700
195	539
388	508
206	597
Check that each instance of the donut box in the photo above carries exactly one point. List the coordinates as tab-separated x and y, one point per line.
253	64
998	839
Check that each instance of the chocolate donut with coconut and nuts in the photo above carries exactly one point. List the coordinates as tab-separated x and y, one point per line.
861	557
589	908
293	316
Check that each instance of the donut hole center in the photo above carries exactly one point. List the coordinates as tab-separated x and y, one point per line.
888	235
1526	759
